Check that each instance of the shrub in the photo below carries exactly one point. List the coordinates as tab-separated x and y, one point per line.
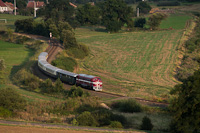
86	119
47	86
59	86
129	105
11	100
5	113
115	124
76	92
74	122
146	124
2	64
32	82
139	22
79	52
54	120
104	117
66	63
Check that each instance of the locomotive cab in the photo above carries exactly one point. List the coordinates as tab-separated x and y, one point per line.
89	81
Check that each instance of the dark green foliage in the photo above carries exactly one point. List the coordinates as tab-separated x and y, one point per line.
5	113
146	124
168	3
68	39
47	86
105	117
59	11
77	92
129	105
66	63
88	14
11	100
80	52
25	25
155	19
144	7
115	124
58	86
185	107
32	82
86	119
115	13
139	22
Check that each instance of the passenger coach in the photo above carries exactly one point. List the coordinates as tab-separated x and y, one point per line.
83	80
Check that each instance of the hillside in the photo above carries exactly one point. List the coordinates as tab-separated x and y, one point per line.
136	64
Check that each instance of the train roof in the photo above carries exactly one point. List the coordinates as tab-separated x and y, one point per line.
67	73
42	56
43	62
87	76
49	66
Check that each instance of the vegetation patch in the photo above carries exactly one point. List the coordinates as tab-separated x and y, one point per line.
65	63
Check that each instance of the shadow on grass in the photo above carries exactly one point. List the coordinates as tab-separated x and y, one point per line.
24	64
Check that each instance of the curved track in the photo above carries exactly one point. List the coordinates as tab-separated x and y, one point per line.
52	51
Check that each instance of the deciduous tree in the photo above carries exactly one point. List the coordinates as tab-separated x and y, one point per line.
155	19
88	14
115	13
185	106
144	7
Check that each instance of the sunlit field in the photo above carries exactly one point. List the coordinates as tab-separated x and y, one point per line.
138	64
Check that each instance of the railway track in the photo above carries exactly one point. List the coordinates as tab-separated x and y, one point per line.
53	47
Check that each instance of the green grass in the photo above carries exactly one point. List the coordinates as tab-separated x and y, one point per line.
175	21
10	20
138	64
14	55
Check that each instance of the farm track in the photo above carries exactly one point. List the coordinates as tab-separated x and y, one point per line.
53	50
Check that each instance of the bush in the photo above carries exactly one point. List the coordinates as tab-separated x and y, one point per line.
55	120
11	100
47	86
5	113
66	63
76	92
105	117
32	82
146	124
79	52
139	22
59	86
129	105
115	124
86	119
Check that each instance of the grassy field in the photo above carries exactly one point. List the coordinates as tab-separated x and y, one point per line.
175	21
138	64
15	55
10	20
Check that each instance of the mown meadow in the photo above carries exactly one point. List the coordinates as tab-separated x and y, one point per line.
136	64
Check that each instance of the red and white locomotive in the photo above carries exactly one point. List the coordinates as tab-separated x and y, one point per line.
89	81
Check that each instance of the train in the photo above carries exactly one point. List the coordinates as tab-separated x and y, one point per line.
83	80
